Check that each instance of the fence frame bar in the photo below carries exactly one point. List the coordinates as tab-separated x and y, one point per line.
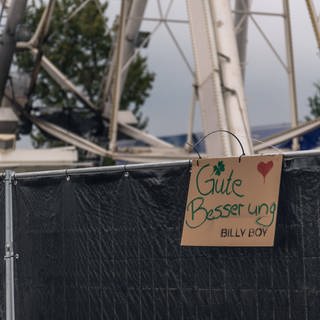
130	167
9	252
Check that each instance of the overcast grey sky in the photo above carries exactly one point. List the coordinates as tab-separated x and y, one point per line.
266	82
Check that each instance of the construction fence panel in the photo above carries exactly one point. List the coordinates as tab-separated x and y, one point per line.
106	245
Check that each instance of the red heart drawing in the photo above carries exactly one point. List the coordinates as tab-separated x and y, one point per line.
264	168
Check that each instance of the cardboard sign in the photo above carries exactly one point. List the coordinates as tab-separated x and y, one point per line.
232	203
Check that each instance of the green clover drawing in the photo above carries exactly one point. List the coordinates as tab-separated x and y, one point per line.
219	168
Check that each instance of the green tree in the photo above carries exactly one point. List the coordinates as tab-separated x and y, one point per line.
81	48
314	103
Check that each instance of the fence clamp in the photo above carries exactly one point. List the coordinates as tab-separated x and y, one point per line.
10	254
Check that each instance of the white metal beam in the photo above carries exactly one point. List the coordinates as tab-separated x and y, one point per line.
234	97
8	40
208	82
113	129
241	26
43	157
287	135
291	72
314	20
133	15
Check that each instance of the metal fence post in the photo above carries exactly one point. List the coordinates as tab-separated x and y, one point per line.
9	253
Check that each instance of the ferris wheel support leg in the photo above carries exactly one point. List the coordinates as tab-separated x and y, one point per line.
113	129
234	97
208	78
291	72
241	19
189	142
8	43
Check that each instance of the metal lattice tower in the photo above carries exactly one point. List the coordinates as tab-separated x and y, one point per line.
219	36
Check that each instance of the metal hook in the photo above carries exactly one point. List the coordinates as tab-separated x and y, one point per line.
190	165
216	131
126	172
67	175
195	149
14	179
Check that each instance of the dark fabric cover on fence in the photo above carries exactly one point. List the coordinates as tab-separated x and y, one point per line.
107	246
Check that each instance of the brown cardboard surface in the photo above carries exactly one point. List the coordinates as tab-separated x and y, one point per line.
232	203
